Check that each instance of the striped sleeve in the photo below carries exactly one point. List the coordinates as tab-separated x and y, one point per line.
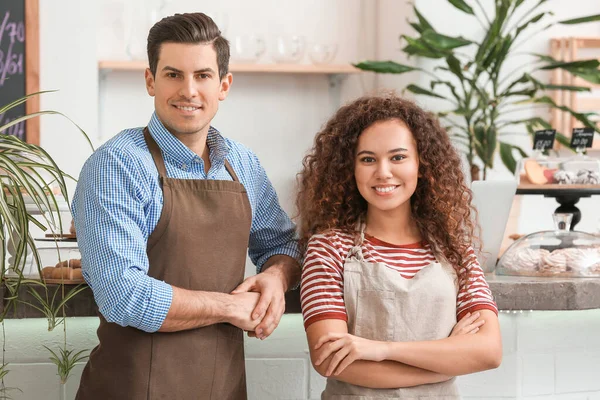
474	294
322	284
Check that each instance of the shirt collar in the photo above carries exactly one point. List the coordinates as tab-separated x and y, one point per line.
179	152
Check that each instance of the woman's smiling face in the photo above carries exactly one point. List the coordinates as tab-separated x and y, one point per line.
386	166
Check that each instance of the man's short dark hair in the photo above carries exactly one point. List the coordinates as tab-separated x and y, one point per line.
194	28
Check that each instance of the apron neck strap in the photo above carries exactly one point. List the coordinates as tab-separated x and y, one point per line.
156	154
229	169
359	233
160	163
359	239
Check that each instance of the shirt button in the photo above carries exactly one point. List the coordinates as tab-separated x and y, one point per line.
197	160
183	166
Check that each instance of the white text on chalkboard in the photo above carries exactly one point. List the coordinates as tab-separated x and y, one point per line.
11	63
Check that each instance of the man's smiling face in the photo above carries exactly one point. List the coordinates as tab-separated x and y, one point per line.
186	87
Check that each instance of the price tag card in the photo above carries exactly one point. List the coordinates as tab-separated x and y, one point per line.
544	139
582	137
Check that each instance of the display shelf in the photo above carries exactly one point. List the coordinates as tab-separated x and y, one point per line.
566	195
553	189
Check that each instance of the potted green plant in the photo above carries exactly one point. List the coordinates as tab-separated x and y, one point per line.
27	177
481	94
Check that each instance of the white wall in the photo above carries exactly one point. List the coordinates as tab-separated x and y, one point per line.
278	115
275	115
68	64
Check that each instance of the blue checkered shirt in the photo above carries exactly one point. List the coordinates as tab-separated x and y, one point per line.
117	204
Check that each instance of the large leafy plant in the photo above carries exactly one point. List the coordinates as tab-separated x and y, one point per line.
472	78
28	175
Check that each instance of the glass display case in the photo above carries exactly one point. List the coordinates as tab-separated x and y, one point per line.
542	170
557	253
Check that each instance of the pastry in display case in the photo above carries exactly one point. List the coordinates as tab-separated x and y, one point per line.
557	253
65	269
575	170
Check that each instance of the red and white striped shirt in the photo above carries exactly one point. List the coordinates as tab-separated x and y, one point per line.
322	287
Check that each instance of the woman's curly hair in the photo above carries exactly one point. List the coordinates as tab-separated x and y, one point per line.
328	197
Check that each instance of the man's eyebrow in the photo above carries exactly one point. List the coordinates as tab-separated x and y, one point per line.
167	68
173	69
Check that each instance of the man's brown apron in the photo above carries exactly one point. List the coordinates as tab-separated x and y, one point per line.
199	243
383	305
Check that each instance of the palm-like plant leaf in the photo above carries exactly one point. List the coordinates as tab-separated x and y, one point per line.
462	5
581	20
443	42
423	24
506	154
385	67
419	90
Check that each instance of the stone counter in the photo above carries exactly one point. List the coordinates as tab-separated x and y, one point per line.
528	293
510	293
83	304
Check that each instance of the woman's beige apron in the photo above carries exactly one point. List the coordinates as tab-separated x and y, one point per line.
199	243
382	305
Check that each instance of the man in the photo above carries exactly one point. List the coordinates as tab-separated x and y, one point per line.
164	217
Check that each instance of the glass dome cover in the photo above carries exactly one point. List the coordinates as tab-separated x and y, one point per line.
557	253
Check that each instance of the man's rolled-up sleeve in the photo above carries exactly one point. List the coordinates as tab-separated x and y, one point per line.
111	224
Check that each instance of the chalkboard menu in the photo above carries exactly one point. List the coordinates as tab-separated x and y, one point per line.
19	65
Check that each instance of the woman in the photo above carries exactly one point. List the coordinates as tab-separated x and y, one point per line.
389	266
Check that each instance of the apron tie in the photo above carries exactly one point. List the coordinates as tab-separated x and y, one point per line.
355	253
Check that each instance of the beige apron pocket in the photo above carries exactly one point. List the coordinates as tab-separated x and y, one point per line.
375	316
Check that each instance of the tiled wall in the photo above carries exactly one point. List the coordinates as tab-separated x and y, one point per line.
547	356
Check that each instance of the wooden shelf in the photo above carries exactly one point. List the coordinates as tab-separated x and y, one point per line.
327	69
559	191
122	65
556	186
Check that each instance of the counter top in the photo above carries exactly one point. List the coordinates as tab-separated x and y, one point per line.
510	293
83	305
529	293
